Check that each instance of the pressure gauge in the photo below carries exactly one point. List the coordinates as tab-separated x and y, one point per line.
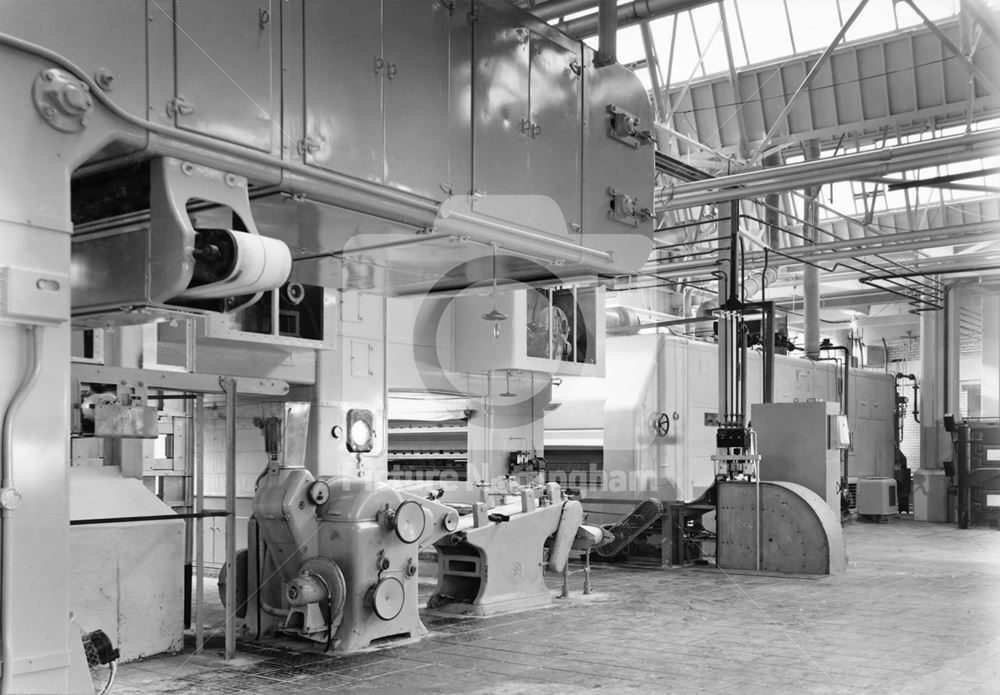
319	492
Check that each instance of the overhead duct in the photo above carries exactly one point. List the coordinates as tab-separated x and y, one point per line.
629	14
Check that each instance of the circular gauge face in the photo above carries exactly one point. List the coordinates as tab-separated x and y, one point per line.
319	492
387	598
410	521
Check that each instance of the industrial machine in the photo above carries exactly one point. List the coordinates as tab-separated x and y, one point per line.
331	559
265	190
777	527
494	563
877	497
335	559
977	469
801	443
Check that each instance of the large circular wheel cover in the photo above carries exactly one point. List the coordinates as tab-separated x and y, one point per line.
410	521
388	597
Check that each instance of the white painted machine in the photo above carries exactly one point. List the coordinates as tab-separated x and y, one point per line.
224	210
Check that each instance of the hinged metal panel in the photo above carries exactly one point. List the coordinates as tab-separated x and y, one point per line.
499	104
417	104
343	78
225	83
609	164
556	127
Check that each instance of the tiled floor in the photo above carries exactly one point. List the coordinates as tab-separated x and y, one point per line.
918	611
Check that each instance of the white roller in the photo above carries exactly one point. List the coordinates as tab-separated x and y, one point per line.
262	264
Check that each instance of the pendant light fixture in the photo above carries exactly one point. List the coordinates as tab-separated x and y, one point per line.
495	315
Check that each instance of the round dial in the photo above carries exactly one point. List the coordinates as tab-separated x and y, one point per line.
319	492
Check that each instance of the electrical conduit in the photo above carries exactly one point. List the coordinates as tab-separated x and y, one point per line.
10	499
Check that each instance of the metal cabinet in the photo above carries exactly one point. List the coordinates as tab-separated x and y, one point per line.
226	84
342	79
554	109
416	95
527	112
380	86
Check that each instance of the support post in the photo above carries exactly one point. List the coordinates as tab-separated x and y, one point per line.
199	524
963	453
229	387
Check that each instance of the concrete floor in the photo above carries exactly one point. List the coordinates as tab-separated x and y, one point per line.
918	611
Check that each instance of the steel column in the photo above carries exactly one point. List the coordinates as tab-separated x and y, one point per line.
229	387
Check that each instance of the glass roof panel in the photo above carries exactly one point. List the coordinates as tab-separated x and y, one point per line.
876	18
934	9
814	23
765	29
706	21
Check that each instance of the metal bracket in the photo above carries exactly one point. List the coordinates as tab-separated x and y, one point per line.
179	106
392	69
576	68
624	209
624	127
378	63
63	101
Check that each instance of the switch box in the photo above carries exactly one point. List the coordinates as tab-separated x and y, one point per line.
34	296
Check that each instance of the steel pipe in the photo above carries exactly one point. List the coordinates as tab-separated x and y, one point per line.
746	184
607	25
560	8
629	14
850	248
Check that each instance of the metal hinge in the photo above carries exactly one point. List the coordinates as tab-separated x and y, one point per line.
473	15
179	106
307	145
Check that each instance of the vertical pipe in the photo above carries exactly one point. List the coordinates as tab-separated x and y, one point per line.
653	63
810	273
229	387
767	366
198	471
963	455
31	372
607	32
742	365
772	202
